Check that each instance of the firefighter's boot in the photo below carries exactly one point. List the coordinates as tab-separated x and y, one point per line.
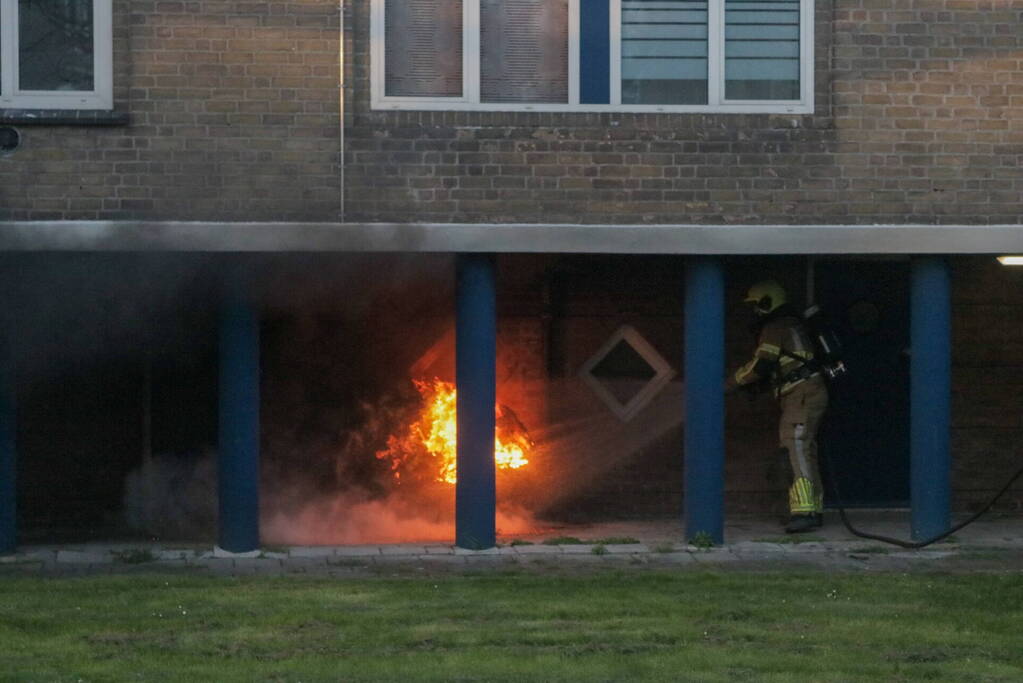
799	524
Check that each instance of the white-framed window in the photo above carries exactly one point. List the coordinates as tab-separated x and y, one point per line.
740	56
56	54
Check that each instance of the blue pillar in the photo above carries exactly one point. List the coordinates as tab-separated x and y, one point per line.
704	399
238	472
475	358
930	397
8	456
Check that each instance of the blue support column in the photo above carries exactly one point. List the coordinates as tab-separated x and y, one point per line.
8	456
476	377
704	399
930	397
238	472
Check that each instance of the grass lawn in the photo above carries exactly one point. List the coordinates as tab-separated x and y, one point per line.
635	625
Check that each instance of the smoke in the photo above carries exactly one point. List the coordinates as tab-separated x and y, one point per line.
344	519
340	347
172	497
359	501
334	389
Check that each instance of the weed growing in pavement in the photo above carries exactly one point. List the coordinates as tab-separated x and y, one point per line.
702	540
564	540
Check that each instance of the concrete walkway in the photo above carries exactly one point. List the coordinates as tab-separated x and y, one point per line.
994	543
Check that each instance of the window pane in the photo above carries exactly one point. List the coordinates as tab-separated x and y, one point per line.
664	51
762	49
524	50
423	41
55	45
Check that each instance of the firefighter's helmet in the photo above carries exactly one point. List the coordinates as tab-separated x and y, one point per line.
766	296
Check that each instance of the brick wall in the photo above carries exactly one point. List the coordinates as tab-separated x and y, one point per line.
234	107
987	381
233	113
919	120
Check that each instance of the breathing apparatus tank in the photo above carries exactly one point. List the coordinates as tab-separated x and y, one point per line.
827	345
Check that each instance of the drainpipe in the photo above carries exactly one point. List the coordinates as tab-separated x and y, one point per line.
341	109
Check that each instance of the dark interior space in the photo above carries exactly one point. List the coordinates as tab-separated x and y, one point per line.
117	366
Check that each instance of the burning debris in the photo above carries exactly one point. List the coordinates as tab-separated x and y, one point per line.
391	480
429	443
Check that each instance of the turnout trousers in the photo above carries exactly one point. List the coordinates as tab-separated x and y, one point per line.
802	410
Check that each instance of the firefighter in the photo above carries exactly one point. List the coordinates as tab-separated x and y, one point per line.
784	360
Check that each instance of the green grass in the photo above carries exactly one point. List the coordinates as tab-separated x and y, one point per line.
564	540
603	625
702	540
617	540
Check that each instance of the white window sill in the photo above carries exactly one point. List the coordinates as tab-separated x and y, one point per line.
63	117
743	108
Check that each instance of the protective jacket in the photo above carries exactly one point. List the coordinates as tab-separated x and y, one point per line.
784	353
784	358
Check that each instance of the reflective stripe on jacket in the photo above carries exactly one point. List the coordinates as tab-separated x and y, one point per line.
782	349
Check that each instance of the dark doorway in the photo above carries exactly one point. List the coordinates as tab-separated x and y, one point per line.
865	435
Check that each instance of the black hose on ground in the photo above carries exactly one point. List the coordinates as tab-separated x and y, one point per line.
912	545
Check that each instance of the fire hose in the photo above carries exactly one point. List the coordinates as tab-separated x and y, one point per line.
912	545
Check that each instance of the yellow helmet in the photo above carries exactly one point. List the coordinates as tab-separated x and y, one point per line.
766	296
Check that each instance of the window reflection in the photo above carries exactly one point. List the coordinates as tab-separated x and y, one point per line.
55	45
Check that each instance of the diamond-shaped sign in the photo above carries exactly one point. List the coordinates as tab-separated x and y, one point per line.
626	372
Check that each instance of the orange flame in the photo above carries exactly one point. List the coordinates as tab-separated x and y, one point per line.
435	430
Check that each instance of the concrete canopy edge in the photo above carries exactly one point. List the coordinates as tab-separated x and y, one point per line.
172	236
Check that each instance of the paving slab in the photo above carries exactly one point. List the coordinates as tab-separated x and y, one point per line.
995	545
403	549
84	557
357	551
302	551
536	549
227	554
451	559
616	548
440	550
168	555
477	553
577	549
672	558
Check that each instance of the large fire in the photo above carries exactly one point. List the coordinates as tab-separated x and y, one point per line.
434	431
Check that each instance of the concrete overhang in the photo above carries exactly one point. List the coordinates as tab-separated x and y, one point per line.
171	236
